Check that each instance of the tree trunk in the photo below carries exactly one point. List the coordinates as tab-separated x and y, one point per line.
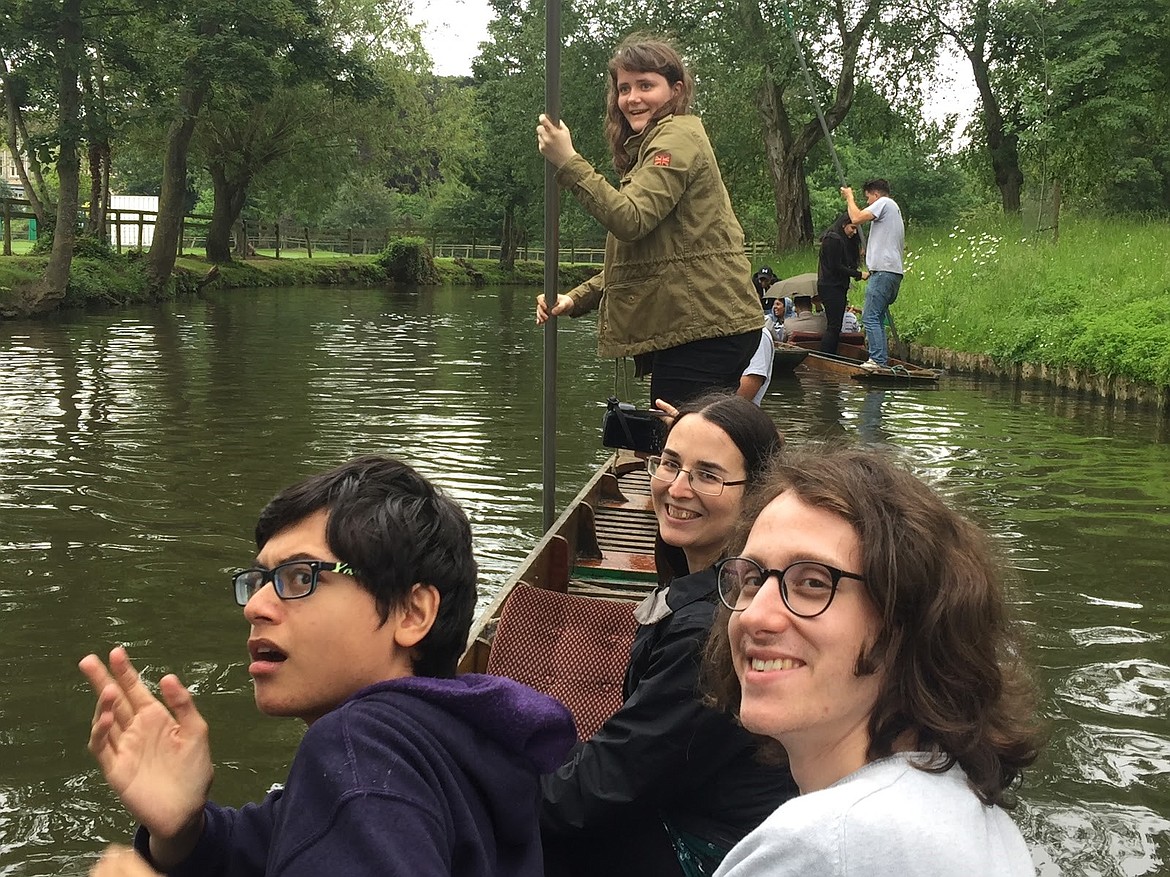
97	136
229	202
786	170
68	59
784	149
99	187
509	239
160	261
1002	145
15	120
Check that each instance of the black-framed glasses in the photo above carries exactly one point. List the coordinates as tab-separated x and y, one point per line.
702	481
292	580
807	587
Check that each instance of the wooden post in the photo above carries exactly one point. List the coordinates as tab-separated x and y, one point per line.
276	231
473	245
351	240
182	231
7	227
308	242
118	230
140	226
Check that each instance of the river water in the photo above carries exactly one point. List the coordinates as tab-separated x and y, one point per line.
137	446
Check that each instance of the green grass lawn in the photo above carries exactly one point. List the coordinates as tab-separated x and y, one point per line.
20	247
1098	298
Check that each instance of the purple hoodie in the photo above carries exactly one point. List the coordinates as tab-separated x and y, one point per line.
412	777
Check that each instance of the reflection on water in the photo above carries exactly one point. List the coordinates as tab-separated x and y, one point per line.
136	448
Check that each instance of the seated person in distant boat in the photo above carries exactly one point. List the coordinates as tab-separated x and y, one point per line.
866	631
774	319
758	375
359	601
805	319
667	785
849	322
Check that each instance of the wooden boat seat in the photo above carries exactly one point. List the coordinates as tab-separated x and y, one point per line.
845	338
570	647
804	336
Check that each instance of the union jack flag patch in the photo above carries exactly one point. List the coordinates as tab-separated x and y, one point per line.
662	159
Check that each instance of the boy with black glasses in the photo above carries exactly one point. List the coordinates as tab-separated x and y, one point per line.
359	601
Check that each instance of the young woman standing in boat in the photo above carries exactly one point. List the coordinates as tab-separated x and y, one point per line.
668	785
675	292
866	631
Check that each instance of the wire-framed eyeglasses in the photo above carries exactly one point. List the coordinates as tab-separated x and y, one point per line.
701	480
293	580
807	587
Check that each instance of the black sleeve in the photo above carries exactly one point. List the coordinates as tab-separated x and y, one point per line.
637	759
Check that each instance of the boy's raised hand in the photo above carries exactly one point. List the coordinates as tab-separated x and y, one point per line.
154	755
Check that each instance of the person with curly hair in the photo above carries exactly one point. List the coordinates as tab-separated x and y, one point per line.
865	630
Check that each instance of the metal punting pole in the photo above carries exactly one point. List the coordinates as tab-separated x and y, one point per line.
552	240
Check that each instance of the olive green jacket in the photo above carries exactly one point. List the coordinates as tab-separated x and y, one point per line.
675	269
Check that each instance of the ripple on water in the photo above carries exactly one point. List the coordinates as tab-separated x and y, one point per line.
1124	688
1096	839
1118	757
1110	636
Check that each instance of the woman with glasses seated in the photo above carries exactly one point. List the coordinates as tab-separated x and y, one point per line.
668	785
865	629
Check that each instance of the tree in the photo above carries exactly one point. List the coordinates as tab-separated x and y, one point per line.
998	39
1110	121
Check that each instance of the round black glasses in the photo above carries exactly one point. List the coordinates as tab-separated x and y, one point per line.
807	587
292	580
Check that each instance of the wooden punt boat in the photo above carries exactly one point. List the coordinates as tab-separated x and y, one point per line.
563	622
786	357
847	363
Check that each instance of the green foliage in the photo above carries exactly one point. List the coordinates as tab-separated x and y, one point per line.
1110	71
1098	300
408	260
90	246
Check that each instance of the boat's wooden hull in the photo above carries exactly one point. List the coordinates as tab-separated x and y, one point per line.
601	546
847	364
786	358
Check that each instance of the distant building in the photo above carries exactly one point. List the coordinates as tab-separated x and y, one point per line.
8	175
130	208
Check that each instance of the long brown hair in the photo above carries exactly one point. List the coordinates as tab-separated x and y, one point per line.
643	53
953	673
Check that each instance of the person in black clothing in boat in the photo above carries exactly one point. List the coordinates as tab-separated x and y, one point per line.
667	785
838	265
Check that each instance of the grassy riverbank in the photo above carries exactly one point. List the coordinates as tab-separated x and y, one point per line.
1099	299
119	279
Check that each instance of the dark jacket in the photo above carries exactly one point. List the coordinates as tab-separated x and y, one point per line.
675	269
839	259
411	777
664	756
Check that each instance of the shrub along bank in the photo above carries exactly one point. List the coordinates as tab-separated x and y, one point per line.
111	281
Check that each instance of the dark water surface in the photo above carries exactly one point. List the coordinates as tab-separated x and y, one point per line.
136	448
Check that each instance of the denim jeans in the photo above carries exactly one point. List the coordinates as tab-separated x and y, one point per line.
880	292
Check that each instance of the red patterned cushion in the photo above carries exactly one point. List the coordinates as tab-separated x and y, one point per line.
572	648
